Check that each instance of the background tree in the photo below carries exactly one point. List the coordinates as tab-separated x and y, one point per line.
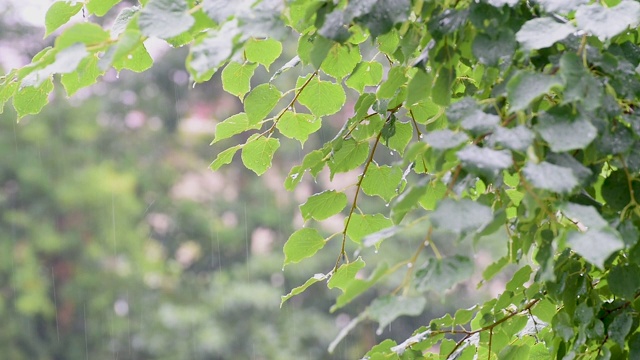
504	121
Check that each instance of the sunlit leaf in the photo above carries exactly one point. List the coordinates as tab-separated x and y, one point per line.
362	225
365	74
225	157
263	52
260	101
382	181
322	97
257	154
31	99
302	244
298	126
233	125
236	78
323	205
59	13
300	289
345	274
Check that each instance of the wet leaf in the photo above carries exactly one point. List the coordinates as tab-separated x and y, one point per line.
461	217
165	18
302	244
323	205
257	154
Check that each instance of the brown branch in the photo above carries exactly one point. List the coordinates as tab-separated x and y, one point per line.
343	253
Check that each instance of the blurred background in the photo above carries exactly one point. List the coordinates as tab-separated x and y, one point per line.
118	242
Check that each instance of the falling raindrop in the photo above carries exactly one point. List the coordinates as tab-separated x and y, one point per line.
193	86
391	152
410	265
376	251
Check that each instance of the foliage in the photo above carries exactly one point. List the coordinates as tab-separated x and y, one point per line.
502	116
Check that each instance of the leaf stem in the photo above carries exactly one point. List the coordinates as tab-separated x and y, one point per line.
343	253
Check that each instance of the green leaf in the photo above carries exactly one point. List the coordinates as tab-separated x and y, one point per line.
484	161
607	22
323	205
620	327
138	60
518	138
86	74
66	61
395	79
386	309
401	137
585	215
547	176
561	6
322	97
524	87
210	51
365	74
86	33
441	275
165	18
262	51
490	50
564	131
382	181
345	274
101	7
341	60
351	155
233	125
624	281
542	33
408	200
59	13
358	287
381	15
519	279
461	217
514	352
441	92
595	245
302	244
31	99
445	139
298	126
236	78
615	190
123	19
419	88
260	101
580	85
258	153
362	225
300	289
224	157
